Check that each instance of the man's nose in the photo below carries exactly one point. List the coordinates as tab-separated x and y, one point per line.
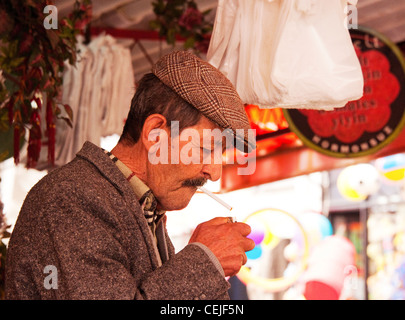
212	171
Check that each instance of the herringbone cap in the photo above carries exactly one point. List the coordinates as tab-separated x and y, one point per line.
207	89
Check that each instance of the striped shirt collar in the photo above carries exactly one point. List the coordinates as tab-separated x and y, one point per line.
142	192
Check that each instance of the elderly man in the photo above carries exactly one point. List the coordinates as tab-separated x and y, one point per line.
95	228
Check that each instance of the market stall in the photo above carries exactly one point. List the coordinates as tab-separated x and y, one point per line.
324	192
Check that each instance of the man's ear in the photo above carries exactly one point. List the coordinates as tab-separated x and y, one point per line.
154	127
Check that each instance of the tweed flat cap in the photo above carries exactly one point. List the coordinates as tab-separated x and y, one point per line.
207	89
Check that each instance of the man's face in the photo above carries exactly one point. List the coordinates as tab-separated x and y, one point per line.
192	160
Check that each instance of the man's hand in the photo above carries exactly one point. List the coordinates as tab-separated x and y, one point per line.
227	241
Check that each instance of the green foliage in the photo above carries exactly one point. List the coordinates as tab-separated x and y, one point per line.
32	61
182	19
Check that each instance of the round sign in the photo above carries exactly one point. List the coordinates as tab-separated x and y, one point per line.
366	125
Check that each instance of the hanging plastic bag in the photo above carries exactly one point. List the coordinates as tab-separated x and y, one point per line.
259	20
221	43
241	46
287	53
315	59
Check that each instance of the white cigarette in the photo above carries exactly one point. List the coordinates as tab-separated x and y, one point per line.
213	196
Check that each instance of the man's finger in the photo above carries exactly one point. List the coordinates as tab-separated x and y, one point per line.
243	228
218	221
248	244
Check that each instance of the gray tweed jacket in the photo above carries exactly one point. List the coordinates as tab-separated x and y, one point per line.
81	234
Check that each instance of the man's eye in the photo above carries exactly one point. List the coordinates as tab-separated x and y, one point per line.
207	152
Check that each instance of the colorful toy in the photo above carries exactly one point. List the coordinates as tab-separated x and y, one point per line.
392	168
269	227
357	182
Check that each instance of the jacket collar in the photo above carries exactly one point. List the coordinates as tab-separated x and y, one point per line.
142	192
96	156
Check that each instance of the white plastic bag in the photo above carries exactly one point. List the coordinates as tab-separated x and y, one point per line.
287	53
241	46
315	59
220	43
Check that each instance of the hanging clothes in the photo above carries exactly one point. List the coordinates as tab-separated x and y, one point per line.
99	89
287	53
121	93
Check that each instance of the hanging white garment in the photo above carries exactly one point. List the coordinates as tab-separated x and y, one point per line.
99	89
122	75
73	82
287	53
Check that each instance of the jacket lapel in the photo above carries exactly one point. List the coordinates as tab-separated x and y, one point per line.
110	171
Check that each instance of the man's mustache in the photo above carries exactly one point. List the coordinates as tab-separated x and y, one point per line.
196	182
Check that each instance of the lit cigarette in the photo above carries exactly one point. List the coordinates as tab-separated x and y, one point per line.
213	196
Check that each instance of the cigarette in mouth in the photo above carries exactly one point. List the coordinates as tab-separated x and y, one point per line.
213	196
